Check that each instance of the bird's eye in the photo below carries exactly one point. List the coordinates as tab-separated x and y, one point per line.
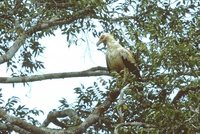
102	37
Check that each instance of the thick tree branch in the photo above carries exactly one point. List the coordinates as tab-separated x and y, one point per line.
96	71
20	123
9	127
91	119
100	109
13	49
42	26
54	115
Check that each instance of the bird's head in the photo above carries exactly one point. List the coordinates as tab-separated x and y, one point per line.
104	38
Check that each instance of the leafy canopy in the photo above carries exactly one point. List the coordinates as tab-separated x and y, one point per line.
163	35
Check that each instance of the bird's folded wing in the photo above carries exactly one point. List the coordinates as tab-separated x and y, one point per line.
108	63
130	62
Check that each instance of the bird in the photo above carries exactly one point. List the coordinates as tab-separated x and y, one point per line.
118	58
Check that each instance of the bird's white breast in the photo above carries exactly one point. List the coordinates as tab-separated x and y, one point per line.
114	60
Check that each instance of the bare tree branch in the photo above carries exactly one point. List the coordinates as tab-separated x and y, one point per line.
54	115
91	119
96	71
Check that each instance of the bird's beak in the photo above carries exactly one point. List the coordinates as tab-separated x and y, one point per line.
99	42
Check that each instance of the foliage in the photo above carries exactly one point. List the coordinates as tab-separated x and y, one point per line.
13	107
163	35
